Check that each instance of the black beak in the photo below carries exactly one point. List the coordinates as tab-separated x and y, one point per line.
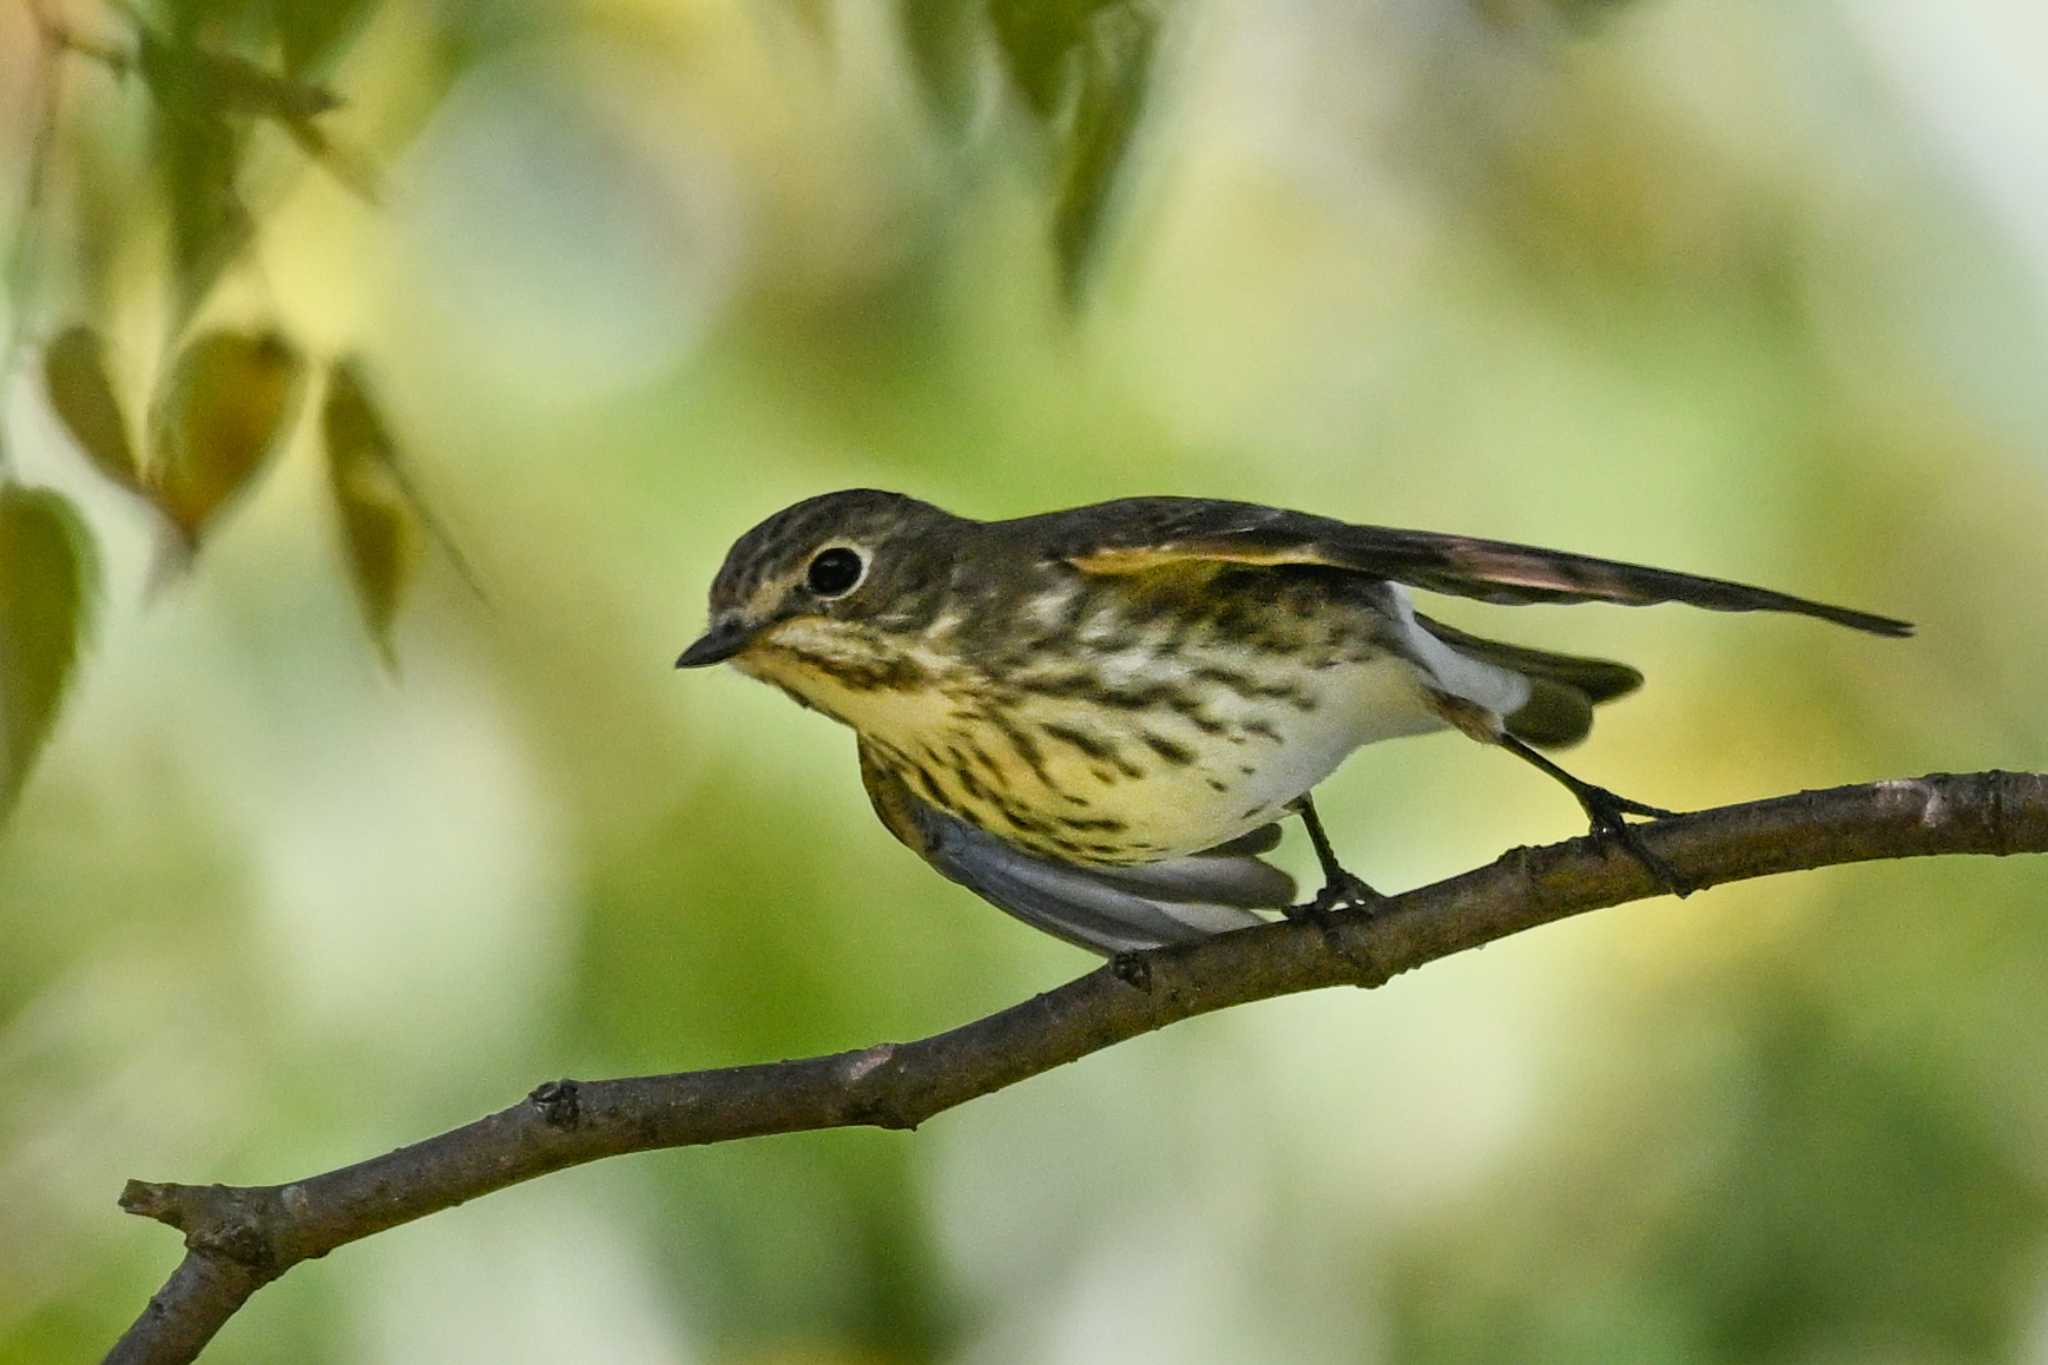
725	639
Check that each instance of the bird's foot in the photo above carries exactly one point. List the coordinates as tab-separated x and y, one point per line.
1343	891
1606	811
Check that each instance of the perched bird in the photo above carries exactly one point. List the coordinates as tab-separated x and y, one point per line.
1094	718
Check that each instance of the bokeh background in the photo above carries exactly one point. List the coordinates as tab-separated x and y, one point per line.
1753	289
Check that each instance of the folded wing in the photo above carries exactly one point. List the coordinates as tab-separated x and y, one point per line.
1108	910
1139	534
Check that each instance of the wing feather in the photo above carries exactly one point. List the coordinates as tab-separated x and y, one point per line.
1108	910
1140	534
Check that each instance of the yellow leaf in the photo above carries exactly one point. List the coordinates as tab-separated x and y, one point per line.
228	401
75	372
48	574
381	529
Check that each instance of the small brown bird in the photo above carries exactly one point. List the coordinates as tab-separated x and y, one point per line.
1094	718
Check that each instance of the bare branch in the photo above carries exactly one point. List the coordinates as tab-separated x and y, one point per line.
239	1239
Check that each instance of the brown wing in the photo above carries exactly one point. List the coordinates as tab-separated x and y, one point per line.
1138	534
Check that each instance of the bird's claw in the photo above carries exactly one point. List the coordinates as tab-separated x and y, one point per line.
1621	805
1344	891
1606	810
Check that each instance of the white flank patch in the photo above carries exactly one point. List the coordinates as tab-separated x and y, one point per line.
1500	690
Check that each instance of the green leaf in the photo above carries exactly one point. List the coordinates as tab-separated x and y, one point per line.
197	82
82	395
1084	68
226	404
1118	74
382	529
197	159
204	98
1040	41
48	578
939	37
310	32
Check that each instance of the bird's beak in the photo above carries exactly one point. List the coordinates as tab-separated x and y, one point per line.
725	639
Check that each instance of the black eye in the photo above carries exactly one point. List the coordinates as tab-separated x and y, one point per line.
834	572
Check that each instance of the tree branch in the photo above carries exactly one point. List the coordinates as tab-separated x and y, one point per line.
240	1238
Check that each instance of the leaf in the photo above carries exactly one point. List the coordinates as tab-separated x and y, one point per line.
1084	66
1118	77
939	37
205	88
196	161
48	578
350	169
204	99
228	401
310	31
382	528
1039	40
193	81
82	395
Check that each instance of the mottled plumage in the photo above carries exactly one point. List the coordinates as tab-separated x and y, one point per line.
1092	717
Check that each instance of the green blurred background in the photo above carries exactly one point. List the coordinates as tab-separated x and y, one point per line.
1752	289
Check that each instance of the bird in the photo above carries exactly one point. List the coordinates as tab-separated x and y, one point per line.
1095	719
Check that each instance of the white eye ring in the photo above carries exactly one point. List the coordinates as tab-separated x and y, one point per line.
836	571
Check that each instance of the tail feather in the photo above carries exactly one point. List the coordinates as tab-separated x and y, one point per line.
1563	688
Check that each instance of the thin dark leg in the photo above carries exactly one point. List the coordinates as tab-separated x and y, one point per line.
1605	810
1340	888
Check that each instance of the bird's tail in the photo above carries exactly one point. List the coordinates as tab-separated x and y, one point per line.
1563	688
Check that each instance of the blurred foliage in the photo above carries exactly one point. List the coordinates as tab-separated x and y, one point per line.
82	396
220	412
47	579
1081	69
380	528
227	398
1756	292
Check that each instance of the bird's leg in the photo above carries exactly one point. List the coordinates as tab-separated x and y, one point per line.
1340	888
1605	809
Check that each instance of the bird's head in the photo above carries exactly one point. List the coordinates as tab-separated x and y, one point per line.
827	584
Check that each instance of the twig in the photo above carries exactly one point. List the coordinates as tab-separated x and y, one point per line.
240	1238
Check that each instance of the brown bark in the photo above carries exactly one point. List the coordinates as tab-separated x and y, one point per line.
239	1238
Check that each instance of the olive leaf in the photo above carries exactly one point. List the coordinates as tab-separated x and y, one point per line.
196	159
49	575
1117	75
202	88
1039	41
203	102
1084	68
382	528
194	81
309	32
82	396
939	37
227	402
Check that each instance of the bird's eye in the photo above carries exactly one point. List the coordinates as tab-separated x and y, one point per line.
835	572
